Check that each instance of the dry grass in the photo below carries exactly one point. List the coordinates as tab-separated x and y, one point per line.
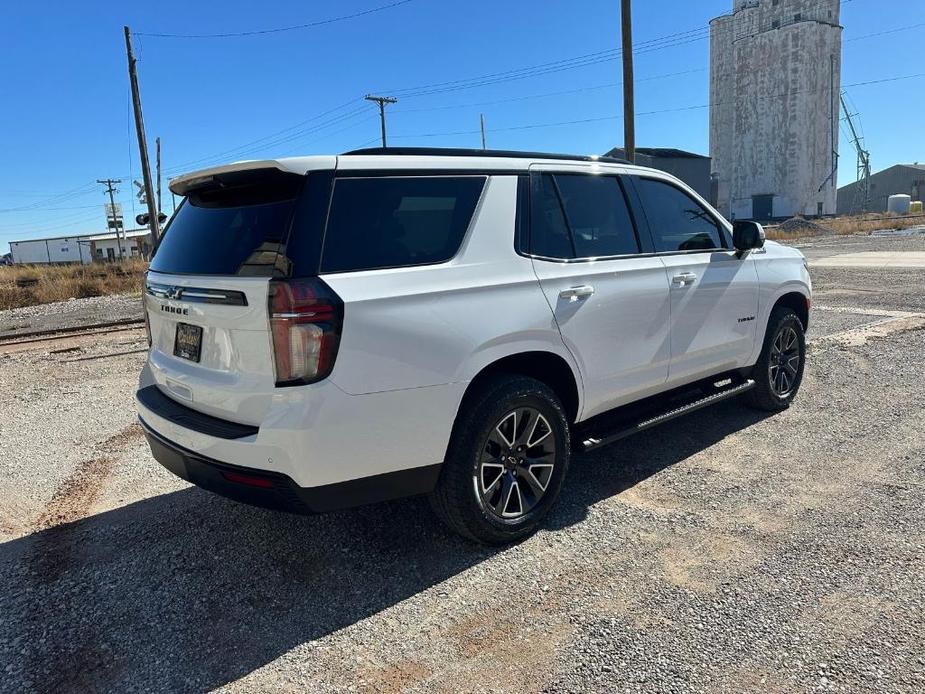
28	285
844	226
866	223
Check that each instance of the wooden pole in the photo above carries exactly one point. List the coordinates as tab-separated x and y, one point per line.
153	222
629	124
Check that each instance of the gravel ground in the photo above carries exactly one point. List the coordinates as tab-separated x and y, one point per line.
71	313
728	551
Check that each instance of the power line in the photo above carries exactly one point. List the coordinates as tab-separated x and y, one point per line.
369	117
275	30
600	56
584	60
531	126
280	137
678	38
57	198
83	220
288	134
884	33
577	90
58	209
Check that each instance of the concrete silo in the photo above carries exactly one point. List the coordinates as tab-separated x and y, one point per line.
774	86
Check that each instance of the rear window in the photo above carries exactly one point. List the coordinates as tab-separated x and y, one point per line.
233	226
384	222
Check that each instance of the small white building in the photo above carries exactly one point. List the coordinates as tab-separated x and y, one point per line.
135	244
84	248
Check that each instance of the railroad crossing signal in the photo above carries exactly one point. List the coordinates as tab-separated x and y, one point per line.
140	194
144	218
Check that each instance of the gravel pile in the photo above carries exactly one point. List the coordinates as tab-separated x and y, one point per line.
726	551
804	227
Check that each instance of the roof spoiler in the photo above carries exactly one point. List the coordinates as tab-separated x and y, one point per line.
187	183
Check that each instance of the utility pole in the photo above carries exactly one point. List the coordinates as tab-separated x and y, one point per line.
382	101
833	112
629	123
482	123
110	184
153	221
158	143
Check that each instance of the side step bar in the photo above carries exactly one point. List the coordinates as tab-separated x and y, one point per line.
593	442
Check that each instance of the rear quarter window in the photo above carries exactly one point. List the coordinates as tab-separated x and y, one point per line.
397	221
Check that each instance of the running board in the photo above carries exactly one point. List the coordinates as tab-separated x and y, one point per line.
591	443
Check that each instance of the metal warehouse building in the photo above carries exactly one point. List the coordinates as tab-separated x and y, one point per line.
84	248
693	169
900	178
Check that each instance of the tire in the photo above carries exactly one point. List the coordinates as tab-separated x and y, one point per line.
777	377
512	431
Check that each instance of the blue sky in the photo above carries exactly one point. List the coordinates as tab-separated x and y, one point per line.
65	120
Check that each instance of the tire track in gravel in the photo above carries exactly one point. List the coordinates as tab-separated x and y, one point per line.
52	558
71	501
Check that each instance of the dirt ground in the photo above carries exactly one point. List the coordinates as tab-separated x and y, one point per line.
728	551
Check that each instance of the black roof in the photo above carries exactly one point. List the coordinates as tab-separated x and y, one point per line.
661	153
462	152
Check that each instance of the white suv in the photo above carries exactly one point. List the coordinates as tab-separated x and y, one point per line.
330	331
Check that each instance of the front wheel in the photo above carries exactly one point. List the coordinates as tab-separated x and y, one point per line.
507	458
779	370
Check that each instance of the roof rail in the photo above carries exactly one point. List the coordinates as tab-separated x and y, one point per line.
463	152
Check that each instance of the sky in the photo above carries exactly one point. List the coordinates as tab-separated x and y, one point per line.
65	119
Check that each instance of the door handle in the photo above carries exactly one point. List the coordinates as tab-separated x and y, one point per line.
575	293
683	279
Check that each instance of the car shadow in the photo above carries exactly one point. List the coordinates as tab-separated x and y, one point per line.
187	590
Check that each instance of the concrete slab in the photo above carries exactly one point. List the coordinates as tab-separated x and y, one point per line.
876	259
911	231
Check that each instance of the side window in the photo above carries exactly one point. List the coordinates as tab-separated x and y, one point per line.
548	231
597	215
382	222
678	222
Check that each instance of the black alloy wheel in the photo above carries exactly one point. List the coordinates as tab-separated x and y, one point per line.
516	464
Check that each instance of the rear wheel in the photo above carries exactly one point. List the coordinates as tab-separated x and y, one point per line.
779	370
506	461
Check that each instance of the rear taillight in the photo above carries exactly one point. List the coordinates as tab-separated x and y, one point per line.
305	320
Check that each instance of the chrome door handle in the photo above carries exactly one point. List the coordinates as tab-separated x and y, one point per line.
576	293
684	279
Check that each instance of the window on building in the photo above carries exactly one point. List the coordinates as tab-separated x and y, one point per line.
818	209
798	16
775	24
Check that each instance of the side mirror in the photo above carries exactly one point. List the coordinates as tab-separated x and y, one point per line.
747	236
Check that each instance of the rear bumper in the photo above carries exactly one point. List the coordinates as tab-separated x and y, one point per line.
315	435
278	491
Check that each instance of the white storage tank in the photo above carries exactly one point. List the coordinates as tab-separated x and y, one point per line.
899	204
